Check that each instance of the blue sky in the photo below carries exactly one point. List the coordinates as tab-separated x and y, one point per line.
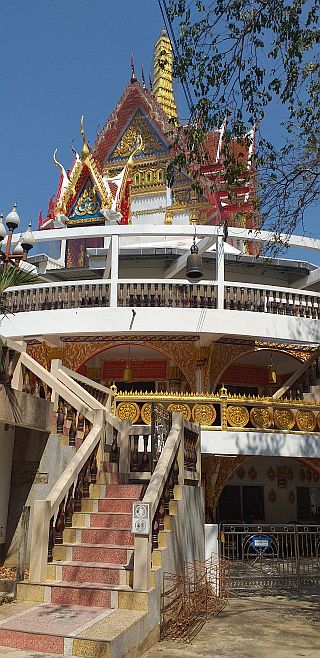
61	59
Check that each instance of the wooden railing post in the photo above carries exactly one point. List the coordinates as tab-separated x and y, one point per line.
55	365
124	447
39	540
175	417
142	562
17	375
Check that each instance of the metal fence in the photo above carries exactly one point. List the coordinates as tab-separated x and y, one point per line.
271	556
161	421
191	596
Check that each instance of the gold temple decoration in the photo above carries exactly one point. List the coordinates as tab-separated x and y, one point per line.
146	413
128	411
237	416
306	420
163	78
137	129
284	419
204	414
87	203
85	148
184	409
260	417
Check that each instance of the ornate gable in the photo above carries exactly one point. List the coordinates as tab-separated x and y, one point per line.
153	145
135	98
87	206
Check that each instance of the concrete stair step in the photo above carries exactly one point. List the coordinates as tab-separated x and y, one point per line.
86	594
107	536
88	572
101	520
73	630
128	491
118	555
115	505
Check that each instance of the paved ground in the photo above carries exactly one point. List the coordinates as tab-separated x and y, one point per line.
280	626
255	627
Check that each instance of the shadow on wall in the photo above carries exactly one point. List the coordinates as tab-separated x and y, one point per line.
188	530
28	449
249	443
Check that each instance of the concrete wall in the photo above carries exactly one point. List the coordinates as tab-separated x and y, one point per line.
24	410
186	540
38	461
259	443
6	449
212	322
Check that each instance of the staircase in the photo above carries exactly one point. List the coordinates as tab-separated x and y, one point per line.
81	606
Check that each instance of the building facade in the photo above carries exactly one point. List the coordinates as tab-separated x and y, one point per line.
234	352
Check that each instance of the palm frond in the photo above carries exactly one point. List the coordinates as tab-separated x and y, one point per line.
11	276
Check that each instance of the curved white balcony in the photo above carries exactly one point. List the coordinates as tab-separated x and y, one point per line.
267	312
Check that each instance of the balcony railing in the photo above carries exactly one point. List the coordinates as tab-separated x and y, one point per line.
226	412
163	293
53	296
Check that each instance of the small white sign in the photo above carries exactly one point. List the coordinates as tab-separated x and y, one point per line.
140	518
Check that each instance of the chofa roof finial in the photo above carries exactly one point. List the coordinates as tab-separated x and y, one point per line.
85	149
133	73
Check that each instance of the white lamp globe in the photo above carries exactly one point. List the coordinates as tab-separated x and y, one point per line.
13	219
27	239
3	232
18	250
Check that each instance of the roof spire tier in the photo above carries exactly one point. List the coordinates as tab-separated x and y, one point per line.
163	77
133	73
143	78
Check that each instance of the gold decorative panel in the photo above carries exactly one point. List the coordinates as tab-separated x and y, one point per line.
146	413
129	140
284	419
128	411
204	414
306	420
87	203
237	416
260	417
184	409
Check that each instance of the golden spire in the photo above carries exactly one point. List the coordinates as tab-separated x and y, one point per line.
162	86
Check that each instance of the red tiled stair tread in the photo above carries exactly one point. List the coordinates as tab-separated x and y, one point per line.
85	594
30	630
51	644
115	505
94	574
59	619
109	520
107	536
128	491
99	553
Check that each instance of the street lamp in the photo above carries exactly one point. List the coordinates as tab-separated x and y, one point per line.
26	242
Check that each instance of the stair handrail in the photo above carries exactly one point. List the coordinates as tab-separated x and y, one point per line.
86	380
296	375
58	387
44	510
173	449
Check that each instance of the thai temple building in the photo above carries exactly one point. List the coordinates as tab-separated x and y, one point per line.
165	392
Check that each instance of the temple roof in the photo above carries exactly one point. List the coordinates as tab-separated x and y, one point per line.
134	97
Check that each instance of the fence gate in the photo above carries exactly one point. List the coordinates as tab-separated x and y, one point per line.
271	556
